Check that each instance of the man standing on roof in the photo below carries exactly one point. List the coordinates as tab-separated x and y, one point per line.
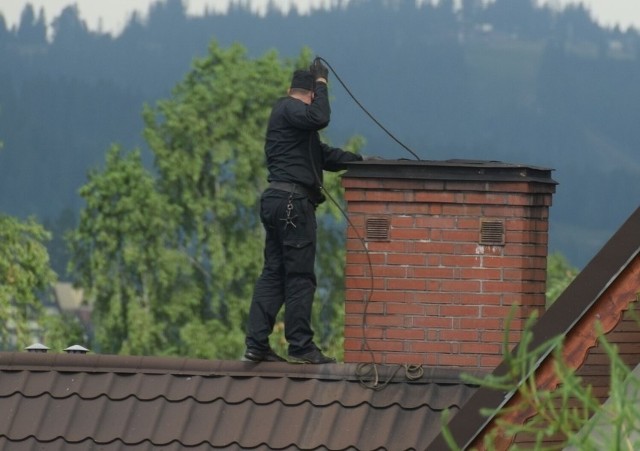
295	160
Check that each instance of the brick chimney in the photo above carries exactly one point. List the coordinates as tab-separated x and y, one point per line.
453	246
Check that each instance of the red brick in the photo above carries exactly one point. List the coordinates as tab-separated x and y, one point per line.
409	234
405	284
404	209
356	295
502	262
481	323
460	311
432	322
402	184
366	207
518	224
352	344
480	298
433	247
431	273
465	261
490	361
462	210
389	271
525	250
400	221
385	345
474	249
397	358
359	332
434	222
405	309
390	296
480	273
361	182
359	307
470	236
357	221
385	196
504	211
354	270
354	195
360	357
405	334
376	258
386	246
488	336
431	347
437	197
459	335
485	198
520	199
406	259
495	311
353	319
365	282
468	223
464	360
507	287
481	348
480	249
380	320
460	286
525	274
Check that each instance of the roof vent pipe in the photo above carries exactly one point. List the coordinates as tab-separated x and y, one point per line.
76	349
37	347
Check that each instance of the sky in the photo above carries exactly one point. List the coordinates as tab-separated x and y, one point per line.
111	16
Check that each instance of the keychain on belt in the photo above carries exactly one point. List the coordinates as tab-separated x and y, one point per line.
288	220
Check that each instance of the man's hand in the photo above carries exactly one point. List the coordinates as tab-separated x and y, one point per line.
319	70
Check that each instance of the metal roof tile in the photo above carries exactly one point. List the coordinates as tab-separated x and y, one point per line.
171	402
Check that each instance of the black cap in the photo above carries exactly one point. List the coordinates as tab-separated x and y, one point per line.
302	79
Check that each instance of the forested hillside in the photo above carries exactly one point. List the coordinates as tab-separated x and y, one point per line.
508	81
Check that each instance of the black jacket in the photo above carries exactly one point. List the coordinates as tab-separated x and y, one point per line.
293	148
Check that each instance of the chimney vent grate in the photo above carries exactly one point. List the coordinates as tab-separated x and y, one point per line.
491	232
378	228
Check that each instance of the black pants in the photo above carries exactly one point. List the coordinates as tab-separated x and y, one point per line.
288	275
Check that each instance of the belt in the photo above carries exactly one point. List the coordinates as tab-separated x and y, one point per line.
290	187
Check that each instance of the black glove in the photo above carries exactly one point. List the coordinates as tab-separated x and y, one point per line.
319	70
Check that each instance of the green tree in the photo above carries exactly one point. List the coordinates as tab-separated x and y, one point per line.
125	259
560	274
24	275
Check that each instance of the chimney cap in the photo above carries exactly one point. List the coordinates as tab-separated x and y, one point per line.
76	349
37	347
455	169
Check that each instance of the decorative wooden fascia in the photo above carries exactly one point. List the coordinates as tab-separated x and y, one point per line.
608	311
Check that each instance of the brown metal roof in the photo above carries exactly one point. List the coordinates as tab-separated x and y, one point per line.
116	402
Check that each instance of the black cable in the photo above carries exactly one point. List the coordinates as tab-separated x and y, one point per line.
412	372
365	110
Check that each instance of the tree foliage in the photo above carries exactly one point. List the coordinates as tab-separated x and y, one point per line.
171	259
560	274
123	258
24	274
